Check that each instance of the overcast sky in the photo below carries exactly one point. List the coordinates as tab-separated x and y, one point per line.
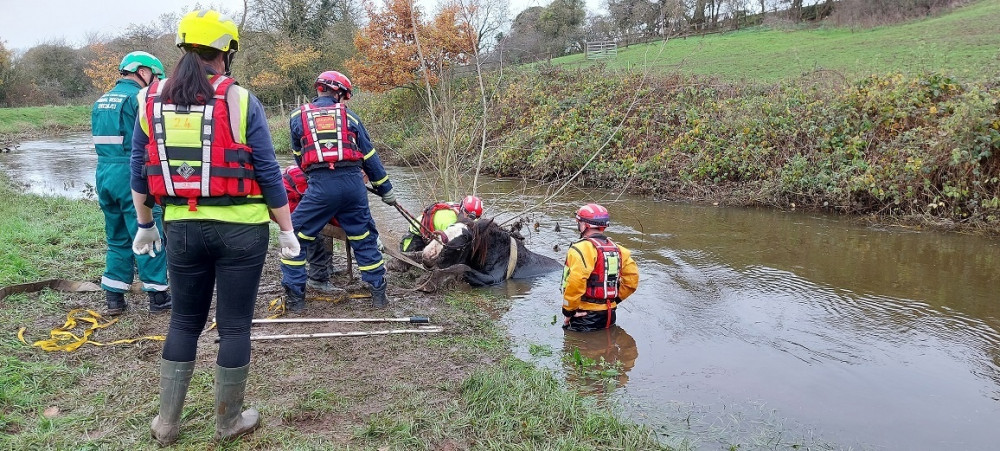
26	23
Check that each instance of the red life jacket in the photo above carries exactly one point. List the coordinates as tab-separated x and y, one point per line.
295	185
427	220
327	138
213	169
602	285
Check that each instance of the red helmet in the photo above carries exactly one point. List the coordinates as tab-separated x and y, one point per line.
335	80
471	206
593	215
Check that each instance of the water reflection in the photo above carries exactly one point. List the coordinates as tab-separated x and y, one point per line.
808	328
591	358
63	166
761	328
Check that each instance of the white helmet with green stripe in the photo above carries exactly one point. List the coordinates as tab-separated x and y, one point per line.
133	61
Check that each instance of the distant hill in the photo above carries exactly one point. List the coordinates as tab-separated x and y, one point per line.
964	43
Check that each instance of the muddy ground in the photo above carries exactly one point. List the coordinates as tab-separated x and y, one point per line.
337	391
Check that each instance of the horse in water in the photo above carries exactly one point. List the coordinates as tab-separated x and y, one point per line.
489	253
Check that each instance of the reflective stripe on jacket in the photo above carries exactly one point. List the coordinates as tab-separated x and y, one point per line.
327	139
581	260
197	162
112	120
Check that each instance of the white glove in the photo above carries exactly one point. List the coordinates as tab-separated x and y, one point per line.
389	198
147	241
288	243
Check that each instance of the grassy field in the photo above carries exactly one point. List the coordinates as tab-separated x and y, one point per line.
460	389
27	122
964	43
48	237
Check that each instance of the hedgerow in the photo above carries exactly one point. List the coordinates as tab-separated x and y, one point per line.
887	144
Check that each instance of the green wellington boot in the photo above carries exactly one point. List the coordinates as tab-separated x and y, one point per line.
230	388
174	380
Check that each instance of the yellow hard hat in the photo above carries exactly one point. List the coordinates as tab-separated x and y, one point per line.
209	28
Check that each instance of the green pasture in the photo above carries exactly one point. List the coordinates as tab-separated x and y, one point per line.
964	43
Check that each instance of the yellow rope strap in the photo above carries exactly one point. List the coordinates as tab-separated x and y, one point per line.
63	339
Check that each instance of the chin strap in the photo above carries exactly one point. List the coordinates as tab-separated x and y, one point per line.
228	59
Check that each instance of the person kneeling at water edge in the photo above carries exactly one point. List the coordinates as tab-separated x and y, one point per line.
598	274
201	147
436	218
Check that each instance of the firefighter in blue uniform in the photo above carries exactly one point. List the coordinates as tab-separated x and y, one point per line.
330	143
112	121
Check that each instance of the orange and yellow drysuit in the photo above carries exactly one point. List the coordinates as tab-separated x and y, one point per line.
596	283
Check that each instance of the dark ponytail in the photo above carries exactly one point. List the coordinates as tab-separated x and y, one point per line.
189	85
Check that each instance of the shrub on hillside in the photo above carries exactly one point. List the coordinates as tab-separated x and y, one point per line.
887	144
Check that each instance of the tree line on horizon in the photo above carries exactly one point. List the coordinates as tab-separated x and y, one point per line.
285	43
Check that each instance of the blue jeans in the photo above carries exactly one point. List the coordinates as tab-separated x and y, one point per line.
207	255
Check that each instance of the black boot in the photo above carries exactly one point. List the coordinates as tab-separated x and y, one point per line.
175	377
230	419
294	302
379	299
159	301
116	303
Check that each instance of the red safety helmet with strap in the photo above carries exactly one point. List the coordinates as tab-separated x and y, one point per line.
471	206
593	215
336	81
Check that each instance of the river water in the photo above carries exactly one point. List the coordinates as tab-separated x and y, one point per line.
759	328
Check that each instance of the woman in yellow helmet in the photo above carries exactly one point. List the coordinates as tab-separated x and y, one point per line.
202	149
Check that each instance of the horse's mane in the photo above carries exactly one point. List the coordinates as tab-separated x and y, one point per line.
482	230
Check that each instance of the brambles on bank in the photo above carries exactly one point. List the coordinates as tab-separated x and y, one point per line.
891	145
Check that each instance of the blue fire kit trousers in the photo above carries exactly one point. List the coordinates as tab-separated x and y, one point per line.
341	194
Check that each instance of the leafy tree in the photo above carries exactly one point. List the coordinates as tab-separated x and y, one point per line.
297	19
58	69
633	18
102	69
289	67
525	37
388	52
6	72
287	43
561	23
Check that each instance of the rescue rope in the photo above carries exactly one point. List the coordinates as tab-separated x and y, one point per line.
63	339
54	284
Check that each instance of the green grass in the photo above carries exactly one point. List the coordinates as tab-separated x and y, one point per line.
517	406
16	123
104	398
44	237
963	43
